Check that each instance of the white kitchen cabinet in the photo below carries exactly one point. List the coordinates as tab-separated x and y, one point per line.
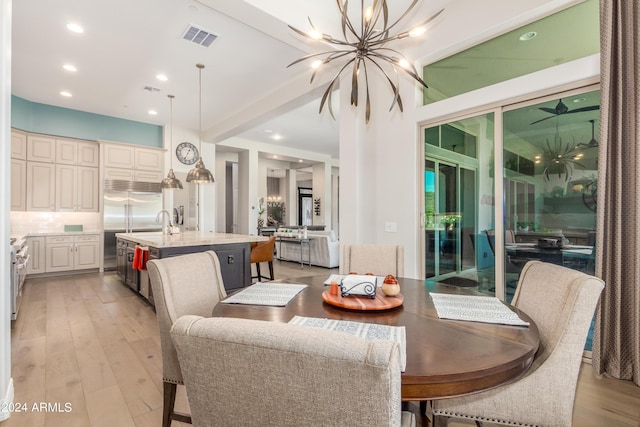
150	159
75	152
118	156
87	252
41	186
18	185
117	173
76	189
37	255
59	253
69	253
41	148
18	145
148	176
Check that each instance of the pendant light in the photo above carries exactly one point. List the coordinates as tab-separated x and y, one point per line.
199	174
171	182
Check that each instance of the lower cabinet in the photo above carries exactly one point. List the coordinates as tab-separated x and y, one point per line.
37	255
66	253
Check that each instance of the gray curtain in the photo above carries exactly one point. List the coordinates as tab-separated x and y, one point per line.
616	344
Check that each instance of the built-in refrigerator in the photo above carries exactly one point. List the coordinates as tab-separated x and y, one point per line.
129	206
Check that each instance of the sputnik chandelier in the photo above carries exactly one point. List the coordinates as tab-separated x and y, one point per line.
365	45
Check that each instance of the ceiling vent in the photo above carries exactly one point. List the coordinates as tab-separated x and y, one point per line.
199	36
151	89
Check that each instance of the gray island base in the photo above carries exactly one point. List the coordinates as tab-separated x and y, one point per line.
233	250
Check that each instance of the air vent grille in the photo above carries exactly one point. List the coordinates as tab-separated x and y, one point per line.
152	89
199	36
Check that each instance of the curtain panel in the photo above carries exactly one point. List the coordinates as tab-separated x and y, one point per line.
616	344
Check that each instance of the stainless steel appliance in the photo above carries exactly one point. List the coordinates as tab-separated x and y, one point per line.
19	260
129	206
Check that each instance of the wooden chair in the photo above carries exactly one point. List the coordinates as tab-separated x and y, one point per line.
376	259
187	284
562	302
257	373
263	252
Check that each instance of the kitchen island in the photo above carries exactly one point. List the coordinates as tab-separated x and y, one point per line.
233	250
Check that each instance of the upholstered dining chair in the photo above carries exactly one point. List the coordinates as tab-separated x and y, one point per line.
187	284
259	373
561	302
263	252
376	259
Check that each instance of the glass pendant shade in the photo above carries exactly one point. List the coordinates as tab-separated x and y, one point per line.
171	182
200	174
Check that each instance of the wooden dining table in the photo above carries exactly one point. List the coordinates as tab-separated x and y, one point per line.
445	358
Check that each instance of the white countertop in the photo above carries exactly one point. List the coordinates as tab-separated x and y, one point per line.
61	233
188	238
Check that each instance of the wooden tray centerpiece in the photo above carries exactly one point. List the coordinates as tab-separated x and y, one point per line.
364	303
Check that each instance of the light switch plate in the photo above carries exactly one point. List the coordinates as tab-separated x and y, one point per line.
390	227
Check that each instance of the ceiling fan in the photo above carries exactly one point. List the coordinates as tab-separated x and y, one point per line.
561	109
593	143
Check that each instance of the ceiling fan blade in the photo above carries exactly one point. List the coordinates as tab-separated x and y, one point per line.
541	120
548	110
582	109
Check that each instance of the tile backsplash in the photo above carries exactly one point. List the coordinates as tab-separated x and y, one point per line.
52	222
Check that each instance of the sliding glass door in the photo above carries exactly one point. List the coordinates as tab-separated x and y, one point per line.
457	200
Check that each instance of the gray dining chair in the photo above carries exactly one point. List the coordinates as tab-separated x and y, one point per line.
258	373
375	259
561	302
187	284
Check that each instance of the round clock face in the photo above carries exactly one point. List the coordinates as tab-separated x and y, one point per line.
187	153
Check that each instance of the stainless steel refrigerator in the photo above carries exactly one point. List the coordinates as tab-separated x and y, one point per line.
129	206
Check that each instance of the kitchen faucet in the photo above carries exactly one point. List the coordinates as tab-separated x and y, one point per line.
165	230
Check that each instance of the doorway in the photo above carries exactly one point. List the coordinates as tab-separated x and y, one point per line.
305	206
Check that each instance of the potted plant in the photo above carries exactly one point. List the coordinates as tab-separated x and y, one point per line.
450	221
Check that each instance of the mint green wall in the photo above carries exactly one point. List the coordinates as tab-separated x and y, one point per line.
47	119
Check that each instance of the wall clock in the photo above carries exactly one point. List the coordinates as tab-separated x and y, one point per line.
187	153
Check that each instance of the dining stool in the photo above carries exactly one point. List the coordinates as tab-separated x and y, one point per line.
263	252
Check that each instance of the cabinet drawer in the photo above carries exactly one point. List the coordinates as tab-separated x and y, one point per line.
59	239
115	173
87	238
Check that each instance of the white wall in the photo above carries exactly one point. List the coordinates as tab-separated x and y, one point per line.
6	384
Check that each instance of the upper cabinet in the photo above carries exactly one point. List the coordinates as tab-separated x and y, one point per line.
131	163
80	153
18	145
41	148
118	156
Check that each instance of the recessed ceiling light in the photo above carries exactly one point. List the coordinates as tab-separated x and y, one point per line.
277	137
268	131
70	67
275	157
528	36
300	161
579	100
162	77
153	113
75	28
65	93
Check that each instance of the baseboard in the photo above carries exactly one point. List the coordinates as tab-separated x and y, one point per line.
6	402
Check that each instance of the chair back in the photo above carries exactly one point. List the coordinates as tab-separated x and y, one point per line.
263	251
187	284
562	303
252	372
376	259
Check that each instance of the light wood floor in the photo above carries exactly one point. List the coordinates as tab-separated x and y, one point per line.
89	342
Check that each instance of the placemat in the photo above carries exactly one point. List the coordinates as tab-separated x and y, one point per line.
368	331
475	309
274	294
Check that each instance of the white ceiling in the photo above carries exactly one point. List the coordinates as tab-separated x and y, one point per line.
127	43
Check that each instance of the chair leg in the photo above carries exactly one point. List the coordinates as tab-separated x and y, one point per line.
259	275
169	391
271	270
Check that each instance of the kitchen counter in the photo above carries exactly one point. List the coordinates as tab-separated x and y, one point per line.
233	251
156	239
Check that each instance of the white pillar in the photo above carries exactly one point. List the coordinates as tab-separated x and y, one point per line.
6	384
247	192
291	197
